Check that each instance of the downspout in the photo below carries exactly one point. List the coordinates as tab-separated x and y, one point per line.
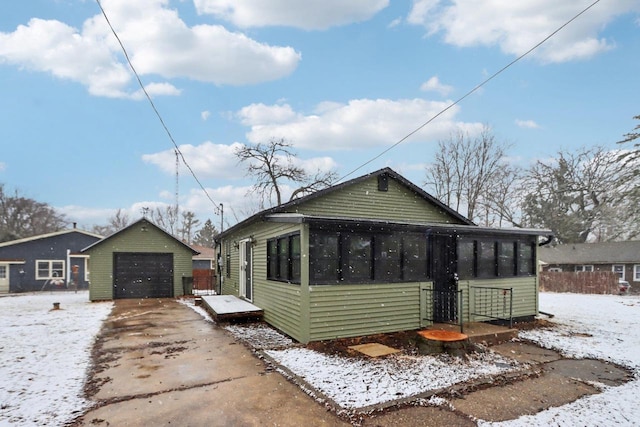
68	268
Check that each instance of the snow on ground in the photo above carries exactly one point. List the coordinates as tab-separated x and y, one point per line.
605	327
44	356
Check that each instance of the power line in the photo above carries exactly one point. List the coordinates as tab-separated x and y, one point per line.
144	90
484	82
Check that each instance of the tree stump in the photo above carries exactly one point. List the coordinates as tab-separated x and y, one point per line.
439	341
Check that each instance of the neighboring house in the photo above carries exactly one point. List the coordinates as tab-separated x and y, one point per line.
622	258
44	262
205	259
139	261
376	254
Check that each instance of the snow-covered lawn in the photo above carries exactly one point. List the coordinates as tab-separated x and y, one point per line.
44	355
588	326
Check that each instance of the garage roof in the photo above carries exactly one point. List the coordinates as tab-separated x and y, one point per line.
142	222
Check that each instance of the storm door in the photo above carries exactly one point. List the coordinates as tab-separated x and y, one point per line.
445	280
246	270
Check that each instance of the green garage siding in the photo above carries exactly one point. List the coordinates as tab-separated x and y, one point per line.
140	237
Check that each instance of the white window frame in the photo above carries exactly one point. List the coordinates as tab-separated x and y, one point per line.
50	269
86	269
555	269
636	273
4	271
621	267
584	268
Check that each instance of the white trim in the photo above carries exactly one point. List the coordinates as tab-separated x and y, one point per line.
4	281
586	267
50	269
46	236
613	268
242	264
636	273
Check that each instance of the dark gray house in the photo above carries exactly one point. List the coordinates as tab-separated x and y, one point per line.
377	254
622	258
46	261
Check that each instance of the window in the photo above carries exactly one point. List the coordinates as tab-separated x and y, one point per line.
227	253
555	270
581	268
526	259
414	257
367	257
3	271
49	270
486	258
506	259
619	270
358	258
636	273
283	258
388	266
466	258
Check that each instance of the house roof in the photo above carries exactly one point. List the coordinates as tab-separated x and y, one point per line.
143	221
388	171
592	253
48	235
205	252
368	223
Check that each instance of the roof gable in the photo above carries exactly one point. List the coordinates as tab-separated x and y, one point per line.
142	222
340	198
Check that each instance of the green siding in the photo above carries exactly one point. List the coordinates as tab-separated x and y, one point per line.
353	310
525	295
134	239
363	200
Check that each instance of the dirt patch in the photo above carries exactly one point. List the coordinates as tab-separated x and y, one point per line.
404	341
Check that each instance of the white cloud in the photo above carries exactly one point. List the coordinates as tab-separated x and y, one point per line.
3	166
362	123
307	15
528	124
207	160
158	43
519	25
205	115
434	85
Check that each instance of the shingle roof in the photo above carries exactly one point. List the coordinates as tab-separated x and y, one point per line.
592	253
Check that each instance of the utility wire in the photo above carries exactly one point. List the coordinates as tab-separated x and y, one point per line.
463	97
126	55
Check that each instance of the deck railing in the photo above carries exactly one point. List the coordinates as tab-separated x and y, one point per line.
492	303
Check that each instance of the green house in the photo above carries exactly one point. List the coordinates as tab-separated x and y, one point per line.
373	255
139	261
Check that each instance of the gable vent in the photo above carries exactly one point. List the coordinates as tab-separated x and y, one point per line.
383	182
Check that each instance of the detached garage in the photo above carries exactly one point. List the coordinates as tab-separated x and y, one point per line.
139	261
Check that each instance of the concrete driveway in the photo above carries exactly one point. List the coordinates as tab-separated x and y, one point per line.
158	363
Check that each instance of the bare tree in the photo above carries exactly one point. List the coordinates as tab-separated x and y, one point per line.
273	164
187	226
575	195
166	218
470	173
118	221
22	217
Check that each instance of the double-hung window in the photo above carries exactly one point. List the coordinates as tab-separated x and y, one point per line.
283	258
619	270
49	269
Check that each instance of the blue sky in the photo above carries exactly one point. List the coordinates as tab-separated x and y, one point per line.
342	81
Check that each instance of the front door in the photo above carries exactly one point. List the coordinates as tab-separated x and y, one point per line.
445	282
246	277
4	278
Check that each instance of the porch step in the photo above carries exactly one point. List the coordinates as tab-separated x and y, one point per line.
481	333
229	307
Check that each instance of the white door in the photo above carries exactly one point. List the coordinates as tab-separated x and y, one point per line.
4	278
246	286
